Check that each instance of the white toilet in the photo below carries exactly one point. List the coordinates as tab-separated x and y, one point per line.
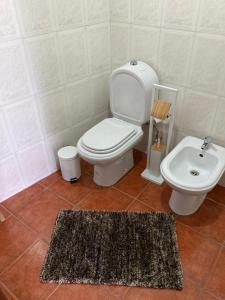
192	169
109	145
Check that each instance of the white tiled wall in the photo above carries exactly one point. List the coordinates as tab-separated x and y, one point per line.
54	68
184	40
55	61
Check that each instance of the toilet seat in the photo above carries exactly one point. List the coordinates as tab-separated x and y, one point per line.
108	140
107	136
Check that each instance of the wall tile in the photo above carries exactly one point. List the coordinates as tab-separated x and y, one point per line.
212	16
11	181
119	44
180	14
52	109
69	13
219	122
120	10
23	123
43	61
14	81
98	45
81	128
8	24
148	12
34	163
35	16
5	149
170	96
54	143
174	58
73	54
198	112
100	88
80	101
145	44
97	11
208	65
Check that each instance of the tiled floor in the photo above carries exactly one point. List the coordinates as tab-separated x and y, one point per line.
30	215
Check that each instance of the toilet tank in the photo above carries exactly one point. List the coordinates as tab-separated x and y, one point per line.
131	92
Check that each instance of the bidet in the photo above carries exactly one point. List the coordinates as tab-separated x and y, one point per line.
192	172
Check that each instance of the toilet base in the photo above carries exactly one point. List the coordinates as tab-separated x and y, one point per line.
185	204
109	174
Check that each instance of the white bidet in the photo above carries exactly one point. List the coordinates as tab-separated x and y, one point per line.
192	173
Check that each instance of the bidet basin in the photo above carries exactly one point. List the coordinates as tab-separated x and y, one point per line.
192	172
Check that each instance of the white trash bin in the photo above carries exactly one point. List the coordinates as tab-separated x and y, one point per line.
69	163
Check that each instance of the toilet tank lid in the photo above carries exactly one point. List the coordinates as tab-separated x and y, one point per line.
132	69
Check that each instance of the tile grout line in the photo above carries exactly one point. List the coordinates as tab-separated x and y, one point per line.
201	234
214	201
19	257
58	286
213	267
8	290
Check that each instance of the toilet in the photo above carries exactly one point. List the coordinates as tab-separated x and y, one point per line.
192	172
109	144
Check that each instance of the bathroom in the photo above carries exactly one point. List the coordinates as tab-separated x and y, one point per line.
56	61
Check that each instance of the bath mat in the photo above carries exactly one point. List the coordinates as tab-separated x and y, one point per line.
121	248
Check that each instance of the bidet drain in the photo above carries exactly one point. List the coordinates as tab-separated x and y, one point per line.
194	172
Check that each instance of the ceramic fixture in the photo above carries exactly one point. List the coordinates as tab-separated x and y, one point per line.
109	145
192	172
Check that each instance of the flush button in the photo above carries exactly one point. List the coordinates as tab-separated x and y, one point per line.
133	62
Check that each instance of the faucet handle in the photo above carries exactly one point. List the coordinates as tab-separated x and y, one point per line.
208	139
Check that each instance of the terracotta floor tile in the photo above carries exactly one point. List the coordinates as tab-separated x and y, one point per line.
76	191
197	253
47	181
132	183
117	291
208	220
109	199
19	200
5	294
41	212
138	206
190	292
218	194
157	196
207	296
140	159
216	281
4	211
86	168
15	238
22	278
81	292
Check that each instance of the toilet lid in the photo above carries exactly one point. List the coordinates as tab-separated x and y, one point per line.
107	136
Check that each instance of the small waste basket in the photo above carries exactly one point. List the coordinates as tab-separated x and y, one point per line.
69	163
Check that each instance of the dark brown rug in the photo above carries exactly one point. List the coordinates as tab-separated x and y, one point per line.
122	248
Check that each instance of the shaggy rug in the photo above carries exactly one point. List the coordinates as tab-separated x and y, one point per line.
122	248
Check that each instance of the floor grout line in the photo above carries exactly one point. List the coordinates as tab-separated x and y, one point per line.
53	291
8	291
213	200
19	257
201	234
213	267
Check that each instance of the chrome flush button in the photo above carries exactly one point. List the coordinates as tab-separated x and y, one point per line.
133	62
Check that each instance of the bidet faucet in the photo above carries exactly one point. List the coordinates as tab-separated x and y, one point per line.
206	143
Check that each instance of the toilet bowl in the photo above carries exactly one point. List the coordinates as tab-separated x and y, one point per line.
109	144
192	173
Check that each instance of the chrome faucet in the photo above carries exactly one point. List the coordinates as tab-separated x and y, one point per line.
206	143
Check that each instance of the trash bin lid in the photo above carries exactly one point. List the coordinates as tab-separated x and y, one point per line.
68	152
